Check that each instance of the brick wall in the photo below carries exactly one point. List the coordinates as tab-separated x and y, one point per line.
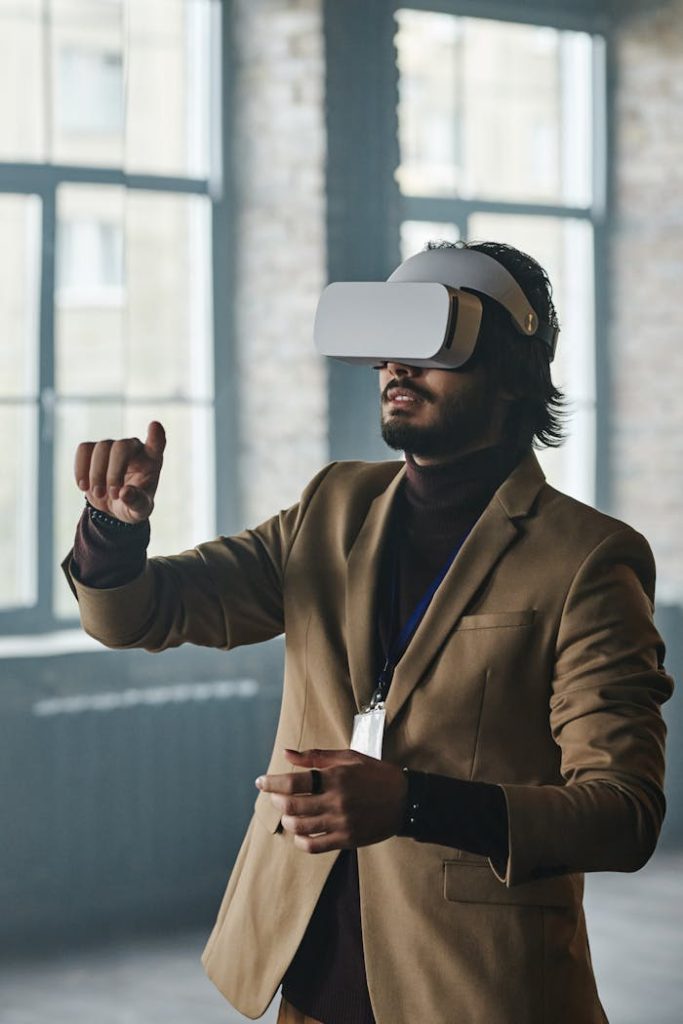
280	252
647	266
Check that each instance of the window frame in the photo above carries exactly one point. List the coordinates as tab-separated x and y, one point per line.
43	180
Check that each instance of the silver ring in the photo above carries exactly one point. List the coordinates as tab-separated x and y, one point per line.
316	781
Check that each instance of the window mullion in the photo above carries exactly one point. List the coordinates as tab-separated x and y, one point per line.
46	411
604	75
455	209
226	391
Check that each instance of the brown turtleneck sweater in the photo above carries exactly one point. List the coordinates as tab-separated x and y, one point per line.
435	508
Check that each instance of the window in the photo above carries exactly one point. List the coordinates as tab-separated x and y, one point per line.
496	125
89	262
20	226
90	89
109	192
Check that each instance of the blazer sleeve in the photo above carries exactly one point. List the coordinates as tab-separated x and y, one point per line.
608	685
224	593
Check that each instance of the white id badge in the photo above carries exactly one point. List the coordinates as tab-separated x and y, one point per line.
368	732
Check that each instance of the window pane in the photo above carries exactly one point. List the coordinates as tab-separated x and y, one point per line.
87	49
90	290
90	234
130	83
169	76
564	247
169	326
129	323
430	116
18	504
90	258
416	233
19	294
493	109
185	501
90	90
22	124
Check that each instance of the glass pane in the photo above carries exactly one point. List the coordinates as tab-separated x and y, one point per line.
571	468
185	501
19	294
90	290
18	504
430	117
169	348
22	124
130	83
416	233
169	78
129	323
564	247
493	109
87	57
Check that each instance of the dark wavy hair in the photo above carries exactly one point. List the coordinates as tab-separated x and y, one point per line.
519	365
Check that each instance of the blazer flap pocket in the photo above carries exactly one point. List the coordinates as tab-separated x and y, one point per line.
497	620
267	813
474	883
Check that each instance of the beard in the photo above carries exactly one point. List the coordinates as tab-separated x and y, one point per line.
456	423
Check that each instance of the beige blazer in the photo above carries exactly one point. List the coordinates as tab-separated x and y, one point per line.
537	667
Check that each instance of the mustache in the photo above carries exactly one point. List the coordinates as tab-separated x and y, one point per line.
406	385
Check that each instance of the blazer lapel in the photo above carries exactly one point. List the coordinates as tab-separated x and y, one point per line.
492	535
362	578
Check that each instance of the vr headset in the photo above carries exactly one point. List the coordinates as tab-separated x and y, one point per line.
426	313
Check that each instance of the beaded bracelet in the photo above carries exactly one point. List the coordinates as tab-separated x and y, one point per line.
104	520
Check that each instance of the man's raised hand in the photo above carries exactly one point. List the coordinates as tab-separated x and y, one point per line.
121	477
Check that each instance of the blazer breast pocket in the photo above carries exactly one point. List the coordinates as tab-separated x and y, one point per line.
497	620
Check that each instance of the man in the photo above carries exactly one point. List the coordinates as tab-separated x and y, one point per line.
503	633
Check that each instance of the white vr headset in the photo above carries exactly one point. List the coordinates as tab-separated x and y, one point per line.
425	314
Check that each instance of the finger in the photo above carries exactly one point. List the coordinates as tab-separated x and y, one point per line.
305	826
155	442
322	758
82	464
98	468
119	459
292	782
322	844
295	806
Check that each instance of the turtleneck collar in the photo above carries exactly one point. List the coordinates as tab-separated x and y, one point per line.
465	481
436	506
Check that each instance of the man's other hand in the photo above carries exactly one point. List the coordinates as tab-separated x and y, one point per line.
354	801
120	477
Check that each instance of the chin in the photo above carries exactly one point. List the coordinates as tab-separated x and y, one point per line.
406	437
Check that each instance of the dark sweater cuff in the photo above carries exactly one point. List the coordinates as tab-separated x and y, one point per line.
470	816
107	556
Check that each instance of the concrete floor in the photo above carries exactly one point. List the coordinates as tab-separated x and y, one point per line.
635	925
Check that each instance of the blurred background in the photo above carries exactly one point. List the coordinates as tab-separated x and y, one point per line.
179	179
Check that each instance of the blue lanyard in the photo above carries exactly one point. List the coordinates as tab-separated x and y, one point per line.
399	642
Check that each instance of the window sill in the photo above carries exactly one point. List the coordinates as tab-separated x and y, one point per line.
47	645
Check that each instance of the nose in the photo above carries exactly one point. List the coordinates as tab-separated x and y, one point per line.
402	369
